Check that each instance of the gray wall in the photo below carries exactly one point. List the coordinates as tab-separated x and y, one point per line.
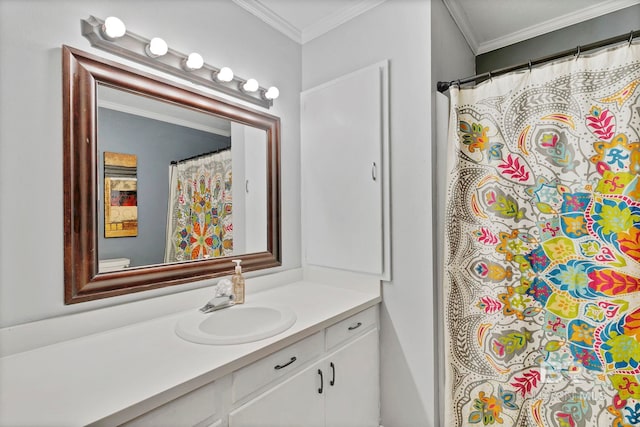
610	25
156	143
450	55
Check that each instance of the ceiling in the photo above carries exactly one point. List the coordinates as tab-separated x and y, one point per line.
486	24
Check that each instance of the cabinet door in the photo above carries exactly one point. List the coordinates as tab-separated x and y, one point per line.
342	127
294	403
353	399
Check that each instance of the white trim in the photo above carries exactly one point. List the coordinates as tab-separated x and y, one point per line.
270	17
302	36
337	18
460	18
161	117
380	64
386	170
557	23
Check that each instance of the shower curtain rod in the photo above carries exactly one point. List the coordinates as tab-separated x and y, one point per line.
444	86
197	156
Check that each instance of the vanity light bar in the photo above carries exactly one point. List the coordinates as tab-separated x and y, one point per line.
136	48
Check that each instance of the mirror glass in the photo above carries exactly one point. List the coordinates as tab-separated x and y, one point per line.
150	217
163	184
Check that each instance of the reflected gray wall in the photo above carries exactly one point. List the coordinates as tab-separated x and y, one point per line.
591	31
156	144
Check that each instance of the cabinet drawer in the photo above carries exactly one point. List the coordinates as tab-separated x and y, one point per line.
354	325
274	366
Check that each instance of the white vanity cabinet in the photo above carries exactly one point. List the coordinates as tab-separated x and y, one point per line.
172	382
341	388
294	402
353	395
200	408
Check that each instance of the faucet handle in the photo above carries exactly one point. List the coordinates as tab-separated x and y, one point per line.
224	288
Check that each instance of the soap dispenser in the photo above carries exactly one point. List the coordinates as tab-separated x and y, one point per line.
238	283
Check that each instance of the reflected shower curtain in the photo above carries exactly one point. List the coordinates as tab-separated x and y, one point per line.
542	246
199	220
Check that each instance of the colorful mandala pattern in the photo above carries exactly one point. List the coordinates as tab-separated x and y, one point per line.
203	226
542	286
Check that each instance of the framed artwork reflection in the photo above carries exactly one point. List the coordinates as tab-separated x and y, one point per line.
120	195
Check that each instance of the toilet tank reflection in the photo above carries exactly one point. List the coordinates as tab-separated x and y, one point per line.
113	264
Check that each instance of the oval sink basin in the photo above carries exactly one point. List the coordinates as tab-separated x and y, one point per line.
235	325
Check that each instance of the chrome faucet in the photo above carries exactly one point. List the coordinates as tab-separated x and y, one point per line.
224	297
218	303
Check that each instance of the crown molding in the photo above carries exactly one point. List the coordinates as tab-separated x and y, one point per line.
545	27
317	29
460	18
270	17
337	18
556	23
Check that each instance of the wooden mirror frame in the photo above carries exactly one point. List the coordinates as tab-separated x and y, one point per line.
81	74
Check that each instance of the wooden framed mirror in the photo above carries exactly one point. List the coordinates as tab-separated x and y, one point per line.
85	79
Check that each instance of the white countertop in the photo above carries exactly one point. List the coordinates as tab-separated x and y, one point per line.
109	377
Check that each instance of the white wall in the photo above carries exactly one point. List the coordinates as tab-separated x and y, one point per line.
401	31
31	34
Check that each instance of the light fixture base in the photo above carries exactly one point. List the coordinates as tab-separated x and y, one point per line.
133	47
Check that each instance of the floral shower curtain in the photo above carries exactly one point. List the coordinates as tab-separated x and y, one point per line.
199	220
542	252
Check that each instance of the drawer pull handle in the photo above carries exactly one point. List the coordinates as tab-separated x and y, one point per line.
356	326
321	382
333	374
278	367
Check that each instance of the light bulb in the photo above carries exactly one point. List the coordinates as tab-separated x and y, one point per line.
224	75
113	28
194	61
250	85
272	93
156	47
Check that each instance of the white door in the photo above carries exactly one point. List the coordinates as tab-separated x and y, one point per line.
294	403
255	189
342	136
353	399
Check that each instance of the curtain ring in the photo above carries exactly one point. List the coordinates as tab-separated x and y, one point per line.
458	82
578	52
530	68
490	77
630	37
